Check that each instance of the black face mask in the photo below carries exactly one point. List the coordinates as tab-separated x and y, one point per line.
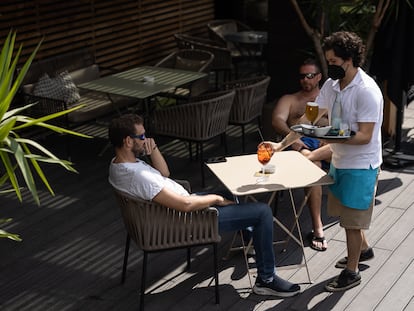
336	72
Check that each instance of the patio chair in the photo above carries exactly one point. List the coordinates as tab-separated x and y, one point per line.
155	228
51	85
191	60
248	102
224	62
218	29
202	119
228	32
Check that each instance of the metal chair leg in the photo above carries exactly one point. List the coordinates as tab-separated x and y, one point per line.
216	273
203	181
246	261
143	280
224	141
124	267
188	258
243	139
190	150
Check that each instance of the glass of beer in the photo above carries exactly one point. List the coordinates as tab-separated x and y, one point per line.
312	111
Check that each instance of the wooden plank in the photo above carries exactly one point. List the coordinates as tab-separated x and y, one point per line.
401	293
73	254
405	199
381	227
382	224
396	184
382	282
398	232
316	296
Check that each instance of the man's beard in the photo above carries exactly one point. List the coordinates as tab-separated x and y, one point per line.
308	87
137	150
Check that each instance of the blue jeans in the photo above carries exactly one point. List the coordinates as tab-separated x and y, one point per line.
259	216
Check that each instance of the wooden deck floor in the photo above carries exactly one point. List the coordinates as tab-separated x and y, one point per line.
72	249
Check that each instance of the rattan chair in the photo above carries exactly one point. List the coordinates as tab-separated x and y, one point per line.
155	228
248	102
224	62
191	60
202	119
219	28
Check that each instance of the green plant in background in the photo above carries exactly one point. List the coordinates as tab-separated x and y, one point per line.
21	156
319	18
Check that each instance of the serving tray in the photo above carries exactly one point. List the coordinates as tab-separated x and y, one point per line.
298	129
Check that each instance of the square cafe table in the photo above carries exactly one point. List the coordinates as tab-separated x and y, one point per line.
292	170
131	82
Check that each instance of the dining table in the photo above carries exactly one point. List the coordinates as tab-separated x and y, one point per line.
242	176
143	82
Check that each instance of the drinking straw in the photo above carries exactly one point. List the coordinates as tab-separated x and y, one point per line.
260	133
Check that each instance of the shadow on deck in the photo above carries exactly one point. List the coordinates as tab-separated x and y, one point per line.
72	249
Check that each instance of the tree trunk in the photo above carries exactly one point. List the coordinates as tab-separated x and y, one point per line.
315	35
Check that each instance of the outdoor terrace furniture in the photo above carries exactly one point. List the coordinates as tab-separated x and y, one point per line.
188	59
218	29
223	61
143	83
201	119
135	83
245	44
52	83
240	175
250	95
191	60
252	46
155	228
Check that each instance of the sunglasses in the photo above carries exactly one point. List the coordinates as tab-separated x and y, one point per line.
140	137
307	75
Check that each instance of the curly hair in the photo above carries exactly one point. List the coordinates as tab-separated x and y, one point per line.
346	45
122	127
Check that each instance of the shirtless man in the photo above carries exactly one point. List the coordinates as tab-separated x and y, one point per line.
290	110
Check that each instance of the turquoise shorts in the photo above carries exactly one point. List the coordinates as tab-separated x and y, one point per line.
354	187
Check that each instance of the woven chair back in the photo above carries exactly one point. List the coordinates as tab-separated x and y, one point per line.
155	227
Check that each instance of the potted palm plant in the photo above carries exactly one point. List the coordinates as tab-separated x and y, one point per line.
20	156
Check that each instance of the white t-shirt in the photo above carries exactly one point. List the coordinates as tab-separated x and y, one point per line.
141	180
361	101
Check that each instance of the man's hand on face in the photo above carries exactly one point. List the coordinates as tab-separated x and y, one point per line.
149	146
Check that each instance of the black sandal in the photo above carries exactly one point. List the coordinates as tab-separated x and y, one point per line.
312	238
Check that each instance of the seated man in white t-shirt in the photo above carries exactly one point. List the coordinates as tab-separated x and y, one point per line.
150	182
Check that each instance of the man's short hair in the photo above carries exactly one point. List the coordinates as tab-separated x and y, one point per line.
346	45
313	62
122	127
